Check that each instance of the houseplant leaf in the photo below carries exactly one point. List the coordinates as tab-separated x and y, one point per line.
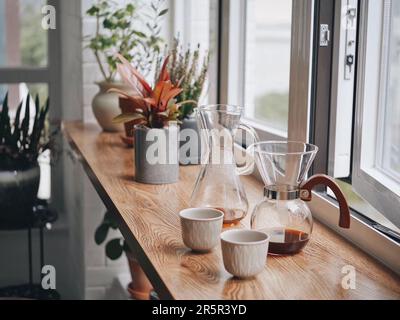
4	120
163	12
114	249
101	233
25	122
141	80
126	117
17	132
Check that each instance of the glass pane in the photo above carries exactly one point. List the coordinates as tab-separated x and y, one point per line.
268	37
23	41
19	91
391	127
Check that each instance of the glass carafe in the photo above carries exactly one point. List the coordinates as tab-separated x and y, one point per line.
218	184
283	213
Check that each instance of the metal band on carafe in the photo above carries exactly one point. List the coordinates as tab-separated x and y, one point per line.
281	193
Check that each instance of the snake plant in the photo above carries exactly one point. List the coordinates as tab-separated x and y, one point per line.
22	140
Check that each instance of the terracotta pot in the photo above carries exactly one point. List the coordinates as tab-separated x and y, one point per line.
105	105
140	287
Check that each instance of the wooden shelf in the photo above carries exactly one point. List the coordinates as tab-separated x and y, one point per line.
148	217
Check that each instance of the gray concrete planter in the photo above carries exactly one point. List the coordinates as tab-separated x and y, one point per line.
156	155
190	142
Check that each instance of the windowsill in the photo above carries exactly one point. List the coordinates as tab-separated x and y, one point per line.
264	130
363	207
360	233
383	179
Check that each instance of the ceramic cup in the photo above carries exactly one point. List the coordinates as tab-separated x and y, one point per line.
244	252
201	228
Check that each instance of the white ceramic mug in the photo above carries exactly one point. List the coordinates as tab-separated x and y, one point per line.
244	252
201	228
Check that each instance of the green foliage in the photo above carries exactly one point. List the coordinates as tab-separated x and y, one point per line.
115	247
116	32
33	37
21	141
188	73
273	108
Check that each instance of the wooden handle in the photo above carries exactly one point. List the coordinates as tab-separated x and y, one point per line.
322	179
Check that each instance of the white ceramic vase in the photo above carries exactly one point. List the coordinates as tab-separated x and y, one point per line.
105	105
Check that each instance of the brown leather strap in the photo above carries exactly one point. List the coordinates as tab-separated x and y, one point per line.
322	179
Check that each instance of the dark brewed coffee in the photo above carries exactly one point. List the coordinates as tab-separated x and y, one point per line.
286	241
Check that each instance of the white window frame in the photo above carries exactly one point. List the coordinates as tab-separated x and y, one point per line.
324	208
342	92
368	179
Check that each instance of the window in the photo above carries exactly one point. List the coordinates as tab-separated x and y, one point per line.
29	62
267	62
388	159
257	71
23	41
361	119
325	91
377	131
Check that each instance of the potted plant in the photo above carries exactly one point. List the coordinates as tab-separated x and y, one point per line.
21	142
155	114
186	68
117	31
140	287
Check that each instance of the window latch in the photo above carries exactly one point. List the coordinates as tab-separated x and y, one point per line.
324	35
350	38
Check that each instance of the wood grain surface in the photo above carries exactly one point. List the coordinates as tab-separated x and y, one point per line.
148	217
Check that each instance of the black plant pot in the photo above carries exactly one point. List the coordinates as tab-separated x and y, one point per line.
18	193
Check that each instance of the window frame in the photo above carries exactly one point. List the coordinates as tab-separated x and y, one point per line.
362	232
301	98
367	179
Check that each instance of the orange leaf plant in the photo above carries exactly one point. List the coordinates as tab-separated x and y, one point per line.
153	107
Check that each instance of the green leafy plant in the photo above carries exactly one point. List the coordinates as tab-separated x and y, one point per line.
117	31
186	69
21	141
115	247
153	107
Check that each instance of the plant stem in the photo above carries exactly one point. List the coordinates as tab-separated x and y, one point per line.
96	52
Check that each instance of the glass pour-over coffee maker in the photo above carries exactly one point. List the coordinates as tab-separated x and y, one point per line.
283	213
